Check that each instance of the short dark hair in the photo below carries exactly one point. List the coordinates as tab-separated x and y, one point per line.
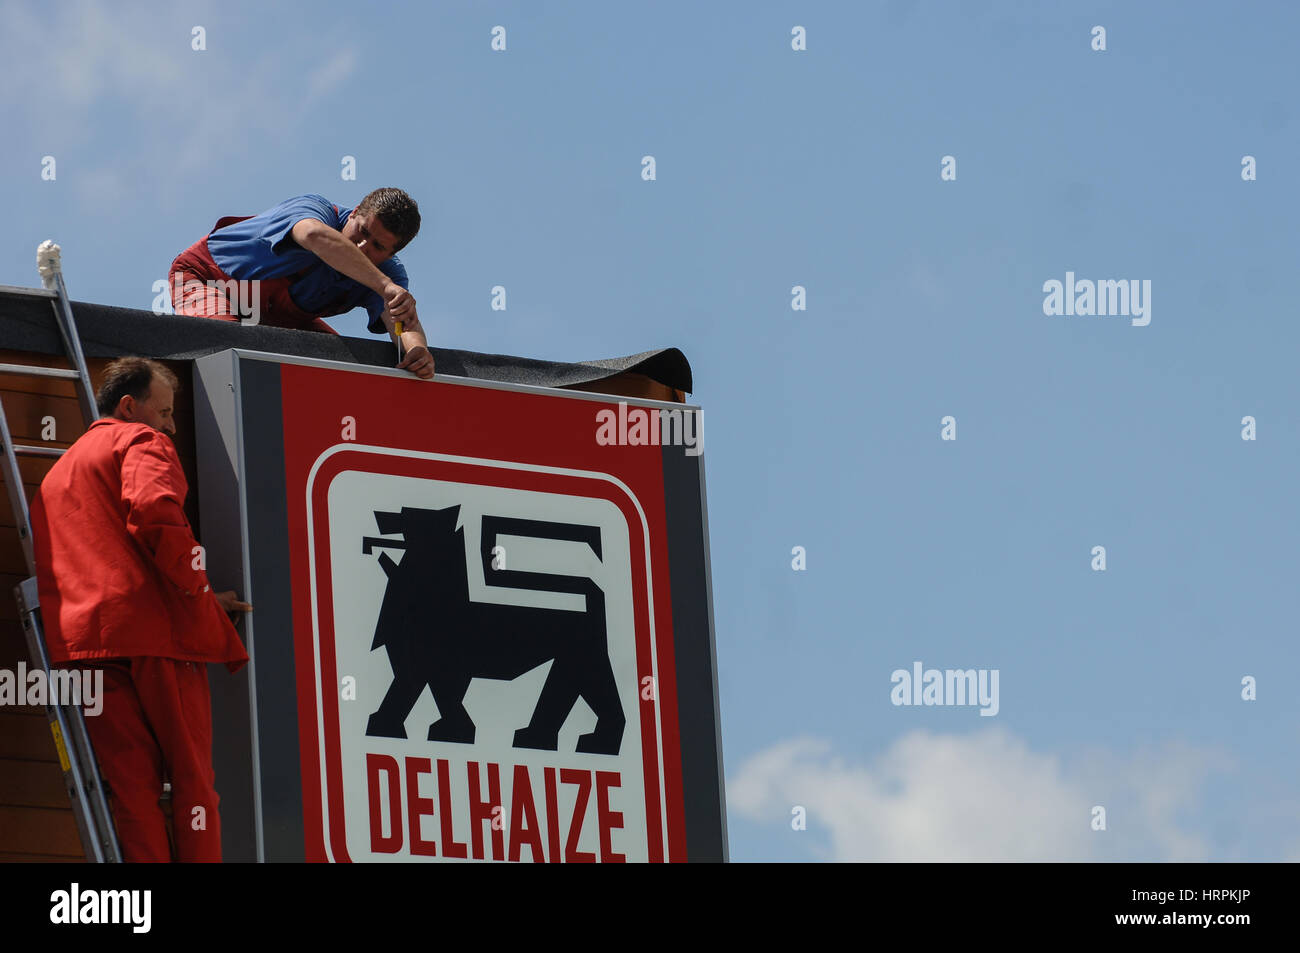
396	211
132	376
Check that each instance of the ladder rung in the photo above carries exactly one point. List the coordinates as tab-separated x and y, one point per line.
27	450
11	291
32	370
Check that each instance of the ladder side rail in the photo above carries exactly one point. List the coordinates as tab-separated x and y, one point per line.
95	790
72	344
83	785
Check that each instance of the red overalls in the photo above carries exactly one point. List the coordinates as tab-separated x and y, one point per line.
156	724
121	592
193	296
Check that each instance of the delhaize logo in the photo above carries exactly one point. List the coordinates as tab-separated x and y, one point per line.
495	690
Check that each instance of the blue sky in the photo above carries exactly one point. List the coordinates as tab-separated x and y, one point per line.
821	168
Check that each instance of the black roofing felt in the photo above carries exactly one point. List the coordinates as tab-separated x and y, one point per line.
27	324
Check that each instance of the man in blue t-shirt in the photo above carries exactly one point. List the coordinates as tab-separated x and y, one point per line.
307	259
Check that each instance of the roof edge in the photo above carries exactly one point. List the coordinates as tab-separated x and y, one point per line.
109	331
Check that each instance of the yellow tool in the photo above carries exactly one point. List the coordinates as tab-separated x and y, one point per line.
397	331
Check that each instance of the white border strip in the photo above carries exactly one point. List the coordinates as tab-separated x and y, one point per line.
247	558
491	464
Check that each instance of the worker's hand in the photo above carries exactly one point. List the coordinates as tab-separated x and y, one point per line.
418	361
230	602
400	302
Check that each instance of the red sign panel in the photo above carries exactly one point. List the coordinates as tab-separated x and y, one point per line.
482	622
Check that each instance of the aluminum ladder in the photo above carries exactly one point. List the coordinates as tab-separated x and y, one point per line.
81	775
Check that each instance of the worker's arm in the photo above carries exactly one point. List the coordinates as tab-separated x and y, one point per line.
416	356
331	247
153	492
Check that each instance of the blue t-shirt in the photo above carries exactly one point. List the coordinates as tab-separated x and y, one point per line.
262	248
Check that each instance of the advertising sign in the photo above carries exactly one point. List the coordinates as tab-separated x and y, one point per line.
482	626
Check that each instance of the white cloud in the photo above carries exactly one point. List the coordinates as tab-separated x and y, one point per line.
75	54
64	61
123	79
331	74
983	796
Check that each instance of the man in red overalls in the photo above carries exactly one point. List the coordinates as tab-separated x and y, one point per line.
123	590
304	260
